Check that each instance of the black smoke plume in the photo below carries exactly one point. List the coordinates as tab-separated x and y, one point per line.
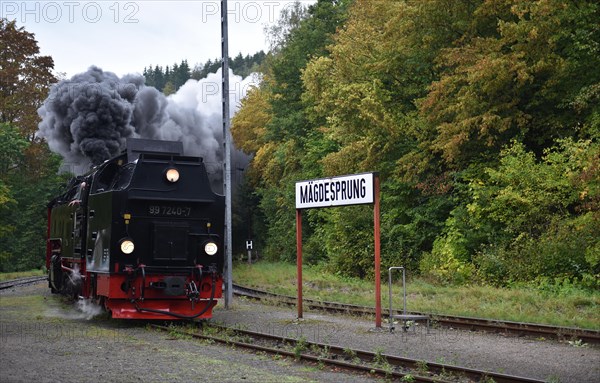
87	118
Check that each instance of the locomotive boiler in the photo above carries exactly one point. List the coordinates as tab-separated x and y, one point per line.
140	234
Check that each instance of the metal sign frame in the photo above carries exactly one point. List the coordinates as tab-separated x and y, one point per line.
355	189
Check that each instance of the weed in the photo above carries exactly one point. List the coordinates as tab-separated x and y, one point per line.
577	343
176	332
445	375
408	378
210	330
351	353
381	361
422	366
300	347
322	352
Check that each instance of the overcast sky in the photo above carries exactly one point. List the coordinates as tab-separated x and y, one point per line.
126	36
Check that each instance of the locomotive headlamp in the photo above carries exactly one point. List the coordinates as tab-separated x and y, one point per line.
172	175
211	248
127	246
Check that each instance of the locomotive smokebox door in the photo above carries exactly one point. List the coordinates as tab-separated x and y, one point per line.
171	241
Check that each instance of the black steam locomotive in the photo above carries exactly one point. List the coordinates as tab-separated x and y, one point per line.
140	234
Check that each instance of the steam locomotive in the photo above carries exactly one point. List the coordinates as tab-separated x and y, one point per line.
140	234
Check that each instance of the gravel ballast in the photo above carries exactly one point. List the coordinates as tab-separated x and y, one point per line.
44	339
546	360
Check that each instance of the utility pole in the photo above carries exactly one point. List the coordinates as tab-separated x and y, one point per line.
227	150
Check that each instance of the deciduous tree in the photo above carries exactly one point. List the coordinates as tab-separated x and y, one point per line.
25	78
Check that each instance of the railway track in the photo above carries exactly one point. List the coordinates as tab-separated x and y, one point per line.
382	365
468	323
20	282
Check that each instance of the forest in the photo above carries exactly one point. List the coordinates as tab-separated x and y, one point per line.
481	118
170	79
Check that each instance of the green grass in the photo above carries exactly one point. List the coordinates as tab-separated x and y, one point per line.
21	274
564	306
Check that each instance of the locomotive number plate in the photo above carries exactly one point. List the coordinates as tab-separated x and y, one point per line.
170	211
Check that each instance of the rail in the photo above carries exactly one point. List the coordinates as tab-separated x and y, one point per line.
384	365
469	323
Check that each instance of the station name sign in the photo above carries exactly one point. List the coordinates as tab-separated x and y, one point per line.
356	189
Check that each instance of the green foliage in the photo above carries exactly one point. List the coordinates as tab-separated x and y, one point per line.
446	261
281	239
12	146
300	347
26	215
527	218
521	81
410	223
482	119
27	169
282	136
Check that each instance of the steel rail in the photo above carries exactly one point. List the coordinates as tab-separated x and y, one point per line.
21	281
469	323
419	370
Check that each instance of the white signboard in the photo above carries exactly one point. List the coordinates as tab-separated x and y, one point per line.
354	189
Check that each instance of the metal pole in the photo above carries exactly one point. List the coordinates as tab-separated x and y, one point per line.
299	258
376	218
404	290
227	150
391	321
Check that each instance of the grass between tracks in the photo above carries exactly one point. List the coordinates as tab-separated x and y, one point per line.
554	305
560	306
21	274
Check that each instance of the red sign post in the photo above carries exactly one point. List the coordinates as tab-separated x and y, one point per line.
299	258
347	190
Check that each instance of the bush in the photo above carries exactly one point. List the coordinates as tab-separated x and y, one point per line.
443	265
492	266
525	219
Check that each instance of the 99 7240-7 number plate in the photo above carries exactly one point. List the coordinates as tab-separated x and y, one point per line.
170	211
